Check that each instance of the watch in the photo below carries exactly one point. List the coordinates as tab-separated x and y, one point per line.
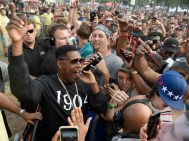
22	110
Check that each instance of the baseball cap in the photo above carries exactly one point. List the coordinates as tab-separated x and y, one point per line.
182	64
124	68
171	45
179	28
172	86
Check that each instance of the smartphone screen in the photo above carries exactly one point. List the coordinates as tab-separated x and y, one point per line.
68	134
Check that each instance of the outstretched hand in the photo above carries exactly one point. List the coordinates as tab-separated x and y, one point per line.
77	120
16	28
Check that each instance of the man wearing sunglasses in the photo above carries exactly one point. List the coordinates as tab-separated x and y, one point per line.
34	50
57	94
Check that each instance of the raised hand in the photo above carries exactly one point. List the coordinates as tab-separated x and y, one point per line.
142	49
128	58
16	28
77	120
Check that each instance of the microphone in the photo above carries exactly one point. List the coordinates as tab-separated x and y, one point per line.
93	63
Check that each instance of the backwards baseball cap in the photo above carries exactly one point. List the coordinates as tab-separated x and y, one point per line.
104	29
124	68
172	86
171	45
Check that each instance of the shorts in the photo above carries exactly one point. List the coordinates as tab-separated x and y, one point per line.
5	39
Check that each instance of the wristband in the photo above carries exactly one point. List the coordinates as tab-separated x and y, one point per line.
111	106
22	111
134	72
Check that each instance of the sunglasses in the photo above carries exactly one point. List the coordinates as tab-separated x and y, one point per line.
75	61
30	31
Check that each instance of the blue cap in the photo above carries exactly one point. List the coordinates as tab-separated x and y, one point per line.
172	86
104	29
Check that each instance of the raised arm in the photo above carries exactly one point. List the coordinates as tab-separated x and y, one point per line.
75	22
21	84
141	64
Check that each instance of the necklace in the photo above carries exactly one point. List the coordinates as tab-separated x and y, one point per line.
73	105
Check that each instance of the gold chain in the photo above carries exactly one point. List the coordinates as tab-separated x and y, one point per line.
67	90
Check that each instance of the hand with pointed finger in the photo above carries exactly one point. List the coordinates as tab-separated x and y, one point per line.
16	28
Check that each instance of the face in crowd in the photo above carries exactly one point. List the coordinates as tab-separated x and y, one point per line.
167	54
62	37
159	104
3	12
69	66
171	28
125	81
29	38
99	40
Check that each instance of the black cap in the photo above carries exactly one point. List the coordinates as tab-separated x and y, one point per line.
171	45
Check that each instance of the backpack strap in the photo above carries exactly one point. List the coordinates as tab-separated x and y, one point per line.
144	101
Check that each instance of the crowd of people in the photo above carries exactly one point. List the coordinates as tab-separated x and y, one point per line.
110	68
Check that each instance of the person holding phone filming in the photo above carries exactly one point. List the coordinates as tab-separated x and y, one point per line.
170	131
57	94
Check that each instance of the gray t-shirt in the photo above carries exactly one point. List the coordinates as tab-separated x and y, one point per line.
4	76
113	63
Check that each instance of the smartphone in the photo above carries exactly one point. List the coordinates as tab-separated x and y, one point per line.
111	82
93	14
153	122
69	133
123	55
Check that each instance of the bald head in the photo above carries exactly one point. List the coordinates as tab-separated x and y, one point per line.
135	116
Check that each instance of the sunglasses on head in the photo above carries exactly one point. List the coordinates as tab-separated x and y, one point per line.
30	31
75	61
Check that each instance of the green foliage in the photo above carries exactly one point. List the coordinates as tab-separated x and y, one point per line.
143	2
42	1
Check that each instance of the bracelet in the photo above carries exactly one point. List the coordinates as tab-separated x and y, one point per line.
111	106
134	72
22	111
